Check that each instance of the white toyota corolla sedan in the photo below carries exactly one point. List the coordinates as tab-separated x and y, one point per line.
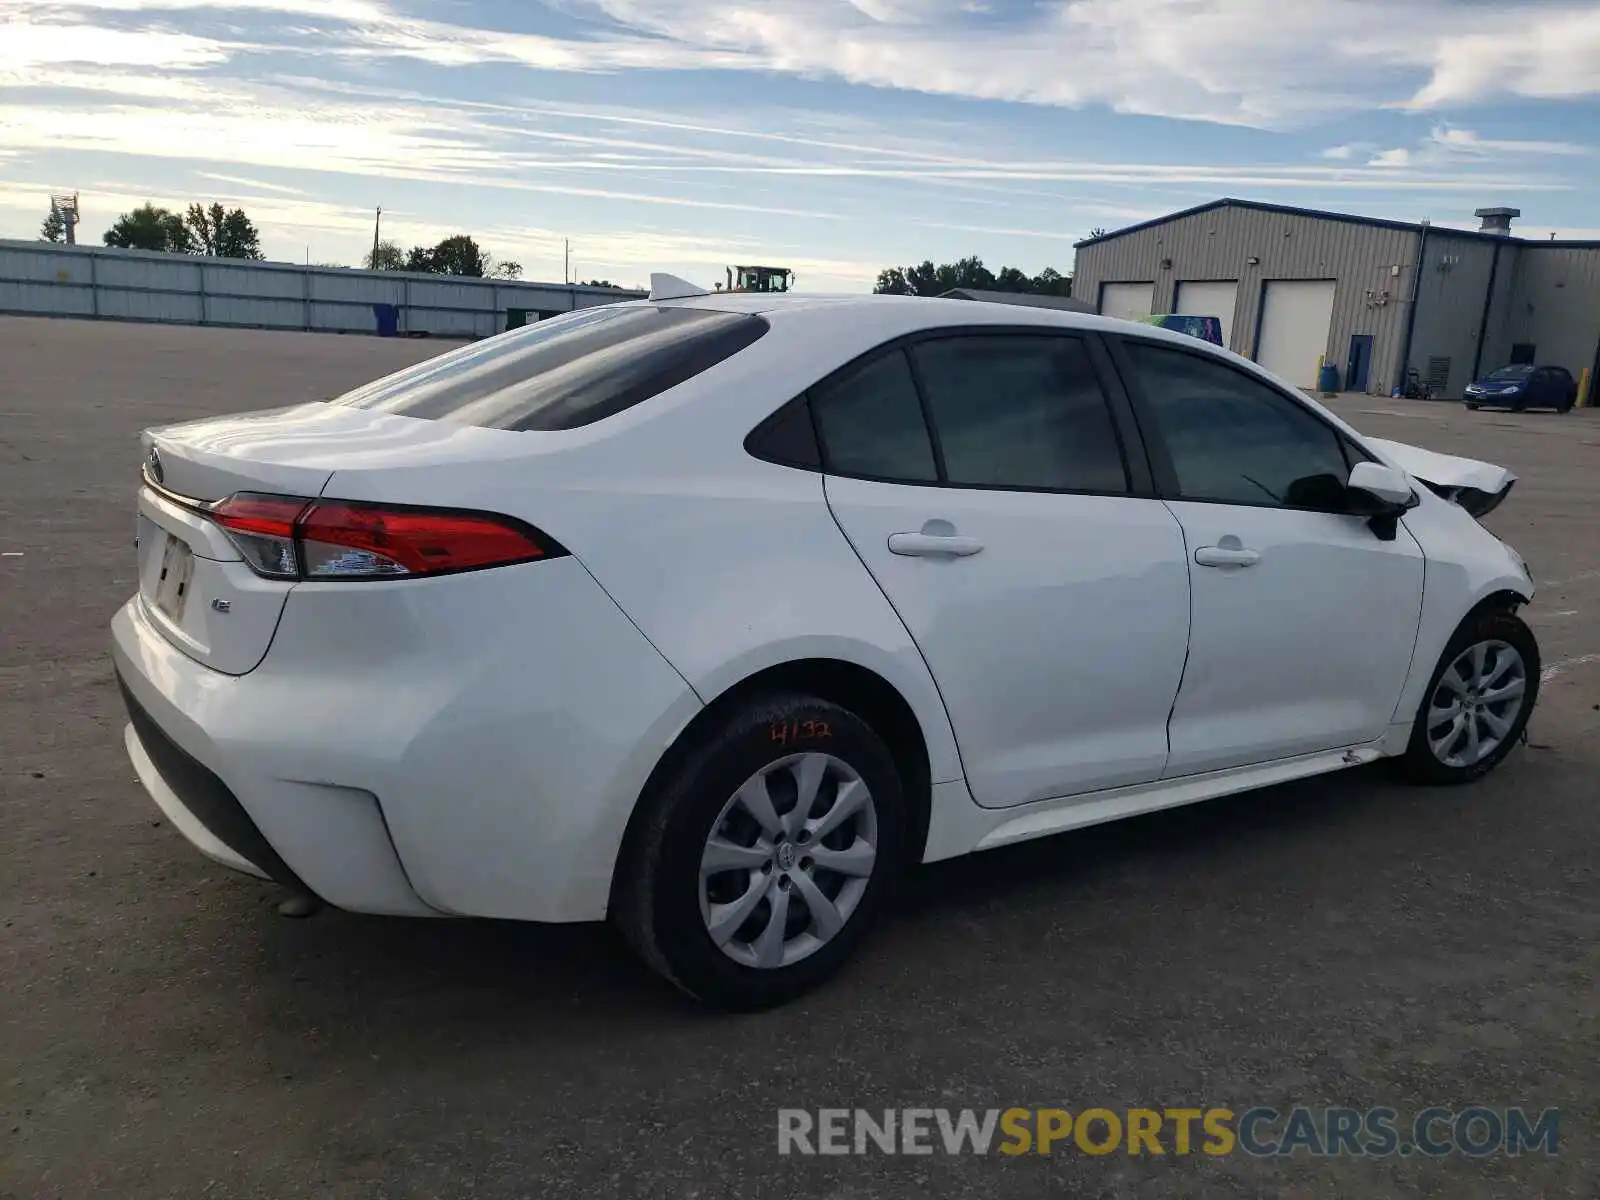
711	614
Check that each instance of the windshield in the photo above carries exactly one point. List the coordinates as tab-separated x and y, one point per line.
1521	371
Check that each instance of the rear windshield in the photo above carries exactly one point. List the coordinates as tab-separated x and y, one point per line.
1518	372
571	370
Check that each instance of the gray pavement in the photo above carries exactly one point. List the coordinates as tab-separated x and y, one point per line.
163	1033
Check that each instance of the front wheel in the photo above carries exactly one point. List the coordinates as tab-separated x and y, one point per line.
1478	701
753	873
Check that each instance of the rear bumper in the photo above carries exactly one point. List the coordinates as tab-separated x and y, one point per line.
470	745
326	840
197	803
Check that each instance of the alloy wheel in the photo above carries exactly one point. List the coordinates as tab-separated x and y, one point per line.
1476	703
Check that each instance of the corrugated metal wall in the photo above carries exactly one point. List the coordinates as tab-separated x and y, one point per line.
1497	333
1370	298
40	279
1454	282
1556	305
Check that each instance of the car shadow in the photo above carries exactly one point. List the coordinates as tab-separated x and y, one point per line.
1192	836
487	980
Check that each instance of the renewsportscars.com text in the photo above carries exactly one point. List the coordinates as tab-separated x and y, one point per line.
1476	1131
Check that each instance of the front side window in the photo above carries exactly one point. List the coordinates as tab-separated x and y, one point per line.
1233	439
563	373
871	424
1020	411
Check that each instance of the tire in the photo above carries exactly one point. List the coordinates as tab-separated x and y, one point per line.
1472	407
1492	628
665	908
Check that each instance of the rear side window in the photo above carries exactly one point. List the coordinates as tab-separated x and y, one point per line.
871	424
1020	412
566	372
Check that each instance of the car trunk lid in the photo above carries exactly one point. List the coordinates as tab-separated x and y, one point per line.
194	584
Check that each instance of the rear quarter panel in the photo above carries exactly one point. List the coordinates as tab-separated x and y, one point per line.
727	564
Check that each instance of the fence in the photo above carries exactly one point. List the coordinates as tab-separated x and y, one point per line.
44	279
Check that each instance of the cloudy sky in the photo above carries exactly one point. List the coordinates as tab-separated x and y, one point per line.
832	136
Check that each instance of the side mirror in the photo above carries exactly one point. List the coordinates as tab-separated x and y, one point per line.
1380	494
1381	482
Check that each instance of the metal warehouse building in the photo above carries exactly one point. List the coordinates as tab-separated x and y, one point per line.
1373	297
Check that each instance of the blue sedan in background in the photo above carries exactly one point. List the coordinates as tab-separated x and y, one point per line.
1524	386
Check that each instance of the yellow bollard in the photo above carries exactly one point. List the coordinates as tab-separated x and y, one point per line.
1583	388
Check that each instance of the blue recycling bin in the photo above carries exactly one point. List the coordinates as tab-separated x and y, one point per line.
388	316
1328	379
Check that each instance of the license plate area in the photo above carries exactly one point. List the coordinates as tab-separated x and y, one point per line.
176	573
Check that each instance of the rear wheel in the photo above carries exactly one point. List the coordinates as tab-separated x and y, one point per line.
1478	701
753	873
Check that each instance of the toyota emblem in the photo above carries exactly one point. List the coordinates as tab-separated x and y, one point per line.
153	464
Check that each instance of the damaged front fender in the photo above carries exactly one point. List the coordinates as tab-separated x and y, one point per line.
1478	487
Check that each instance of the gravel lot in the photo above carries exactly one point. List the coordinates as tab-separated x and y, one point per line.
1343	941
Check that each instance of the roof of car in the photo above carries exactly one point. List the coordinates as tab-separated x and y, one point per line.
1026	299
882	318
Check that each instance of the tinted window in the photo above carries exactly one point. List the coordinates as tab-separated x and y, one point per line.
1019	411
568	371
787	438
871	422
1512	374
1235	439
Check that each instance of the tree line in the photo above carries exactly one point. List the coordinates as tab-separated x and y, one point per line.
230	233
458	254
925	279
199	229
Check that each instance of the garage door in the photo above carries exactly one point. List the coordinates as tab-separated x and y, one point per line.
1209	298
1129	301
1295	315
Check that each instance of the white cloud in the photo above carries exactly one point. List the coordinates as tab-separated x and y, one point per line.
1465	143
1253	62
1545	53
256	185
334	10
1340	153
1447	145
1250	62
25	45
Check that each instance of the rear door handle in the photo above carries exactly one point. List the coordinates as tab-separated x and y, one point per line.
1226	556
931	545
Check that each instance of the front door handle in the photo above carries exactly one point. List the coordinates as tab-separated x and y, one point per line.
931	545
1226	556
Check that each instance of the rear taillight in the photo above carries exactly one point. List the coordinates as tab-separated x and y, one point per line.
288	537
262	530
